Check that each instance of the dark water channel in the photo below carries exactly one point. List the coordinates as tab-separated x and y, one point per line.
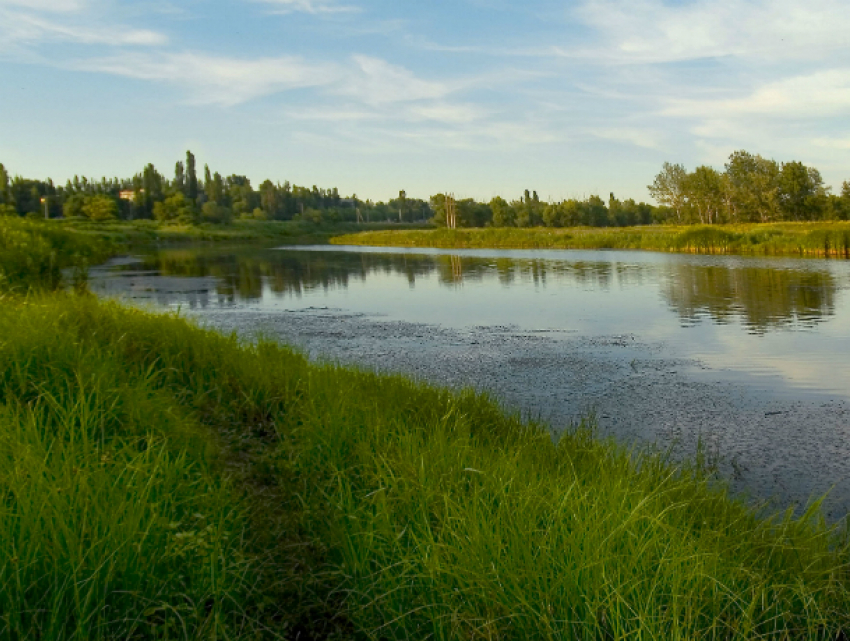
749	356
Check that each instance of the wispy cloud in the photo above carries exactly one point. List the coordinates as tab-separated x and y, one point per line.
832	143
26	28
376	81
53	6
317	7
31	23
216	79
639	137
655	31
819	94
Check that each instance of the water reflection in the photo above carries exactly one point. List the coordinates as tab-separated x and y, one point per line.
760	297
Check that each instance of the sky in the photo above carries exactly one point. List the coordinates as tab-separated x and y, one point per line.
476	97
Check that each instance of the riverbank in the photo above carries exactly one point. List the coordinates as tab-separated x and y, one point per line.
829	240
150	231
165	481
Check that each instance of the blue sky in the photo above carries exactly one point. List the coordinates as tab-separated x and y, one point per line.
478	97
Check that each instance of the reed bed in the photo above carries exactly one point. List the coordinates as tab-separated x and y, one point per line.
163	481
825	240
34	253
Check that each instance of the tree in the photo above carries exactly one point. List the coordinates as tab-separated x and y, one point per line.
753	187
212	212
269	200
704	190
73	206
176	207
402	203
669	188
801	193
100	207
4	185
595	213
503	215
191	177
179	177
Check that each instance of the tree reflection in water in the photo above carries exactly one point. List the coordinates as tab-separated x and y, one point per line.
760	297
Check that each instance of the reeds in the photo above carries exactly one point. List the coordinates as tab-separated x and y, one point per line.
33	253
828	240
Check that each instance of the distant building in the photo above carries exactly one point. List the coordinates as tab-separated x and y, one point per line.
129	194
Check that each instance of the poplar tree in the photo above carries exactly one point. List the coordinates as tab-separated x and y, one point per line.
4	185
179	177
191	177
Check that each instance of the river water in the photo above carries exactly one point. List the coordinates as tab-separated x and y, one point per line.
749	357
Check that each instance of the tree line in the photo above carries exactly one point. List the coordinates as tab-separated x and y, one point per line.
749	189
188	198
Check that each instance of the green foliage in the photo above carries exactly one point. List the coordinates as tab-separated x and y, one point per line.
100	207
33	253
212	212
751	189
176	208
795	239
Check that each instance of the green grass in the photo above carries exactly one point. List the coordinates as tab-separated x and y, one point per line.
794	239
33	254
150	231
163	481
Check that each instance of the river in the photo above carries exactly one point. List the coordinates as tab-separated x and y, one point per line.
749	357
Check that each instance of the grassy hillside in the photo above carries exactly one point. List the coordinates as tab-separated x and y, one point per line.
792	239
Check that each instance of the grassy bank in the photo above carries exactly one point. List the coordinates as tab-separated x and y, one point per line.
789	239
162	481
150	231
33	254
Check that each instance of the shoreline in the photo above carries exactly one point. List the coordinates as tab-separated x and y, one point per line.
815	240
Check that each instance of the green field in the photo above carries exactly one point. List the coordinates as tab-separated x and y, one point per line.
162	481
786	239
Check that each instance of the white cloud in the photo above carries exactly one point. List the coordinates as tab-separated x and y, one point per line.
446	112
26	28
819	94
655	31
216	79
832	143
55	6
376	82
638	137
310	6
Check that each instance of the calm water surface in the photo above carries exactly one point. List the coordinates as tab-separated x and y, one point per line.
749	356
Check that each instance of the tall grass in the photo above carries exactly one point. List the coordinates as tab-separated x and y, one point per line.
164	481
150	231
161	481
830	240
33	253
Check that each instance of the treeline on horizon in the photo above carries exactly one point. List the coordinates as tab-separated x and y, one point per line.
749	189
